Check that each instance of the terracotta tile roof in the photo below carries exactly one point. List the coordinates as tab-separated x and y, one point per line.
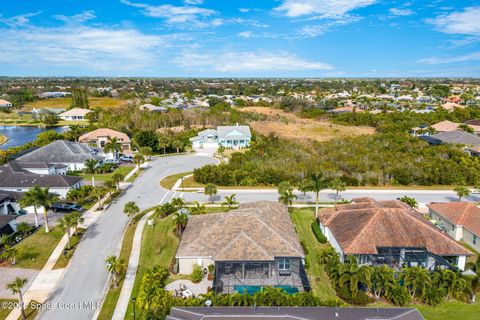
463	213
104	132
362	227
257	231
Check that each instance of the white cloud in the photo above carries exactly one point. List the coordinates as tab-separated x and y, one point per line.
77	45
245	34
193	2
311	31
244	10
401	12
77	18
321	8
245	61
19	20
466	22
445	60
188	16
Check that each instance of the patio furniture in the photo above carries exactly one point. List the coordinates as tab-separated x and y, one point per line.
187	294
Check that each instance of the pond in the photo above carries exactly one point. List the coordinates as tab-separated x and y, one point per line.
19	135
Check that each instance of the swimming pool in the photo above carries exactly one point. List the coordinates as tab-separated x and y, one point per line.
253	289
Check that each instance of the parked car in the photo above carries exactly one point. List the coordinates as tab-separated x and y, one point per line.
126	158
66	207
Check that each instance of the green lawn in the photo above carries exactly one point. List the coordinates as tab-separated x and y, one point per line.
135	175
450	310
106	176
74	241
169	182
302	219
36	249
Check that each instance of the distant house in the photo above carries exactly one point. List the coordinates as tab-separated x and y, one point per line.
61	153
75	114
98	138
252	246
461	220
342	110
443	126
389	232
453	137
152	108
54	94
450	106
453	99
14	177
5	104
291	313
227	136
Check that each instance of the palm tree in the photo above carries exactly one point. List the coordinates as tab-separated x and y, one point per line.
211	191
352	275
91	166
453	284
304	187
383	278
198	208
98	192
317	184
115	266
131	208
398	295
10	253
285	191
181	220
77	219
416	279
112	146
177	144
230	201
66	224
46	199
412	202
110	185
163	142
461	192
339	186
118	177
165	210
74	132
178	203
30	198
138	159
16	287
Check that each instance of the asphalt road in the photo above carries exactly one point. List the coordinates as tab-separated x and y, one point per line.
86	278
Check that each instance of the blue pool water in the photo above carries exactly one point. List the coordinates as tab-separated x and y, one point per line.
252	289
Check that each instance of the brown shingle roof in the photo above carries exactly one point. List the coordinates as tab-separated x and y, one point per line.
104	132
257	231
459	213
362	227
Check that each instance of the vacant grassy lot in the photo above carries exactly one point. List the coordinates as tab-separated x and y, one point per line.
319	281
59	103
36	249
290	126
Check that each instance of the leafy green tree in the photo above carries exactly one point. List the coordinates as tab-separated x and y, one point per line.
383	278
461	192
131	209
79	98
10	253
412	202
285	192
198	208
77	219
352	275
16	287
116	267
452	283
398	295
210	190
230	201
416	279
433	296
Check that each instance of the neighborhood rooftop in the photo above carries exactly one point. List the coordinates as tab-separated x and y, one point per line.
459	213
255	231
366	225
60	151
453	137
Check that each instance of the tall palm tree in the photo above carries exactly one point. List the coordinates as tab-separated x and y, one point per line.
112	146
91	166
66	224
181	220
30	199
416	279
74	132
98	192
198	208
304	187
317	184
118	177
110	184
131	208
163	142
210	190
16	287
46	200
339	186
77	219
383	278
138	159
285	191
115	266
230	201
177	144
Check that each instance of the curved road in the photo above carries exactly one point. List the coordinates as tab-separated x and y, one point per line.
85	280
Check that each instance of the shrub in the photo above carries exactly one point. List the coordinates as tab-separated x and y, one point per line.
304	246
360	298
318	232
211	268
197	273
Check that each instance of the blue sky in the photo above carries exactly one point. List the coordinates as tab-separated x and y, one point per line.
248	38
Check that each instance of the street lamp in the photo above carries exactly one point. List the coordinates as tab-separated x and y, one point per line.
134	299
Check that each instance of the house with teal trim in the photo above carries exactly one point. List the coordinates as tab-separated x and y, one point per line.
230	137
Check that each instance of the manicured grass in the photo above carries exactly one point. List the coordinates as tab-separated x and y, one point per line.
450	310
106	176
169	182
36	249
319	280
135	175
74	241
59	103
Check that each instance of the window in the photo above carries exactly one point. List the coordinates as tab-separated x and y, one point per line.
284	264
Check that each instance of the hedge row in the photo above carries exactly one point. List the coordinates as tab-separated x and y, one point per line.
318	232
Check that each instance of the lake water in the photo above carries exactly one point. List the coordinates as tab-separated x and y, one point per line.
18	135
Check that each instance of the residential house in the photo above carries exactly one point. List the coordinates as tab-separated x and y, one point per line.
13	177
54	94
389	232
461	220
290	313
453	137
75	114
152	108
98	138
5	104
450	106
251	247
439	127
65	155
234	137
9	202
8	224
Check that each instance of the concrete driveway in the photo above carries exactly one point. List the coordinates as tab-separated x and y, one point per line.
86	279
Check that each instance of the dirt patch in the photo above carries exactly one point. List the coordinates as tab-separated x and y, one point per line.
288	125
